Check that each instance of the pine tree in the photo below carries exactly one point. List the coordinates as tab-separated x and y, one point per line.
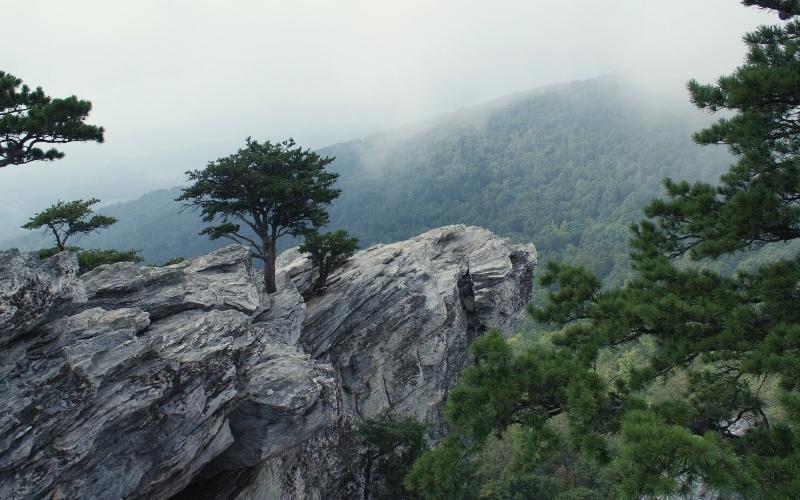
733	423
30	118
67	219
274	189
328	251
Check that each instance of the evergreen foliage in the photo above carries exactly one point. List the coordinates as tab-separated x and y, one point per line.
392	445
566	167
328	251
30	118
509	400
732	424
66	219
90	259
173	261
46	253
274	189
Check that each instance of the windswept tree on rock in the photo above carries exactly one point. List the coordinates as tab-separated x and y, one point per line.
71	219
328	251
30	119
67	219
260	193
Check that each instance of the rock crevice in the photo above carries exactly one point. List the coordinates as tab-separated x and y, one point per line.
395	323
187	380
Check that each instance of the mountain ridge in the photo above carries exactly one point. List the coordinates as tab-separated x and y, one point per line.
567	166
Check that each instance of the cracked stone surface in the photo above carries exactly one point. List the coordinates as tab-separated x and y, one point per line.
187	381
31	288
149	375
396	322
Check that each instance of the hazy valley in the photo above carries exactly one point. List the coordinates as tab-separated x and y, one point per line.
568	167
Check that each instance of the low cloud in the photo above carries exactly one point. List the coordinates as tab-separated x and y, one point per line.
182	82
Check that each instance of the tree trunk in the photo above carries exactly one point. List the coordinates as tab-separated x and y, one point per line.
269	267
322	278
61	245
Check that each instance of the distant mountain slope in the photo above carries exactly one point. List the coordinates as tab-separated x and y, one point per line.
566	167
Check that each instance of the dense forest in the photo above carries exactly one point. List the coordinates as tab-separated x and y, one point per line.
683	382
567	167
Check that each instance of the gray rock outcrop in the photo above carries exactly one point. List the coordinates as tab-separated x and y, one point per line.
31	288
142	382
396	322
434	294
149	375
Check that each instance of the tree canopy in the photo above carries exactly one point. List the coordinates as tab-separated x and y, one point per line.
567	167
66	219
328	251
726	346
273	189
391	443
29	119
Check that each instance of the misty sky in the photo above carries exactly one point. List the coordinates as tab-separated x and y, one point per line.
179	82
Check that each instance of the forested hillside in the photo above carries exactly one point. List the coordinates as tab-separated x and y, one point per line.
566	167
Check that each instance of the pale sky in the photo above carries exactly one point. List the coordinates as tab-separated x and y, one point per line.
177	83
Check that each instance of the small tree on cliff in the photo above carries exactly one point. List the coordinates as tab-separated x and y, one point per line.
66	219
29	118
274	189
328	251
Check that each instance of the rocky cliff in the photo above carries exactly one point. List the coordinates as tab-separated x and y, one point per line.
189	381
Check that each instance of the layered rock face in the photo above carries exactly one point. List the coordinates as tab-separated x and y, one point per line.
29	289
433	295
127	381
396	322
138	382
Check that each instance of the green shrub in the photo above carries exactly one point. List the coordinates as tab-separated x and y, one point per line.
90	259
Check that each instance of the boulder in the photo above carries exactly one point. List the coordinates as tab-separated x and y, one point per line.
31	288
